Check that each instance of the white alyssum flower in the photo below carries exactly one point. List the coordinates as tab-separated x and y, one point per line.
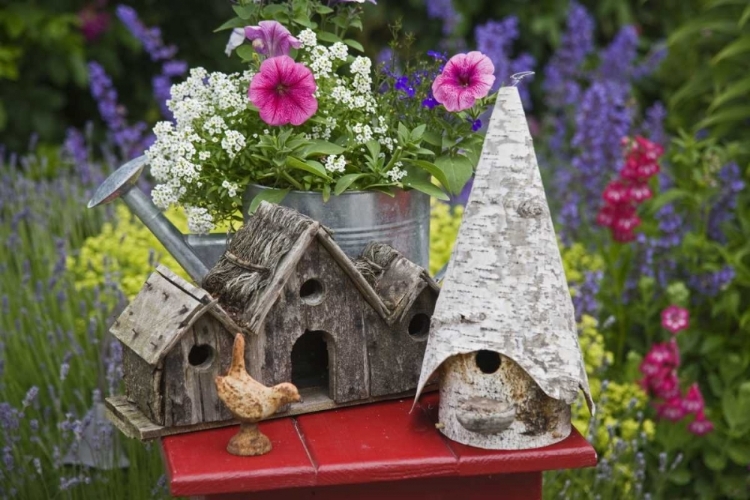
335	163
199	220
339	51
233	142
396	173
231	187
308	38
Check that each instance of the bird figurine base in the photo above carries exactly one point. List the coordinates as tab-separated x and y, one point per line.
249	441
250	402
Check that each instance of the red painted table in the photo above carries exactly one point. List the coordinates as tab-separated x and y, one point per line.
365	452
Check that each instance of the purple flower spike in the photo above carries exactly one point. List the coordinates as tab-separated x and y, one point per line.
271	39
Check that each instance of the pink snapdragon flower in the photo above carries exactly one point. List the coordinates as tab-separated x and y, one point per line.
701	425
271	39
283	92
675	319
693	402
465	78
671	410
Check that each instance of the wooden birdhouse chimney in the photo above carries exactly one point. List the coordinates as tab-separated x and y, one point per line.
503	333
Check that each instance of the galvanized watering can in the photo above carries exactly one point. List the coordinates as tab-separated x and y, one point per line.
355	218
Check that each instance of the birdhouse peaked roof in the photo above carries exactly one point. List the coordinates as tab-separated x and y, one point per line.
165	308
264	253
505	289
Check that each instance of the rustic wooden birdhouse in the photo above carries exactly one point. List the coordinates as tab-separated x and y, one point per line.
175	339
343	331
503	332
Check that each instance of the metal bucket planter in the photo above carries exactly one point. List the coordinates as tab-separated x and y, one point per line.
359	217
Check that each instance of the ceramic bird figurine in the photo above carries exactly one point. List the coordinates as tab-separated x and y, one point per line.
250	402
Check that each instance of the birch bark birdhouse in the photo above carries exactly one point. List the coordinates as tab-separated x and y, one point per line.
503	333
343	331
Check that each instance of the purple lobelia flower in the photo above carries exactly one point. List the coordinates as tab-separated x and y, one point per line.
495	39
602	120
651	63
444	10
619	56
132	140
723	209
711	283
561	74
150	37
584	299
271	39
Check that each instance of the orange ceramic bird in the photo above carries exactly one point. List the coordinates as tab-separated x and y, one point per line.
250	401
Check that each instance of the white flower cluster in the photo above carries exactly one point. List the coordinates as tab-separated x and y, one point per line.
199	220
206	107
231	187
307	38
396	173
335	163
233	142
364	133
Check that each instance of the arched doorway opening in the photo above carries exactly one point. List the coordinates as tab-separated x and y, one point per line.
311	362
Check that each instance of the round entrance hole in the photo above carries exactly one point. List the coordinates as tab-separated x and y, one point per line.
311	292
419	326
487	361
201	356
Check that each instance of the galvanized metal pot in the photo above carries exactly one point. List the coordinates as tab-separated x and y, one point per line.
359	217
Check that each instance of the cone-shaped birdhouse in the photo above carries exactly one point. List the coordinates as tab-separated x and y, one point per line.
503	333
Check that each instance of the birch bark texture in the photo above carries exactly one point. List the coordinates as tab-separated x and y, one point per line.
505	289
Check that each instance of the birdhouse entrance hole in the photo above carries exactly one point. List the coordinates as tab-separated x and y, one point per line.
487	361
201	356
311	292
310	362
419	326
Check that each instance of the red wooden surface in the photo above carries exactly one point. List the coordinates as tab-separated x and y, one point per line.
369	451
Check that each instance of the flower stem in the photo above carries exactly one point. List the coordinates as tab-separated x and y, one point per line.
293	182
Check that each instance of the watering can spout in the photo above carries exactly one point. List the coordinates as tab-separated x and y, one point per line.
121	184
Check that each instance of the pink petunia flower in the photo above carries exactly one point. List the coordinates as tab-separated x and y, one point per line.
693	402
465	78
701	425
675	319
271	39
283	92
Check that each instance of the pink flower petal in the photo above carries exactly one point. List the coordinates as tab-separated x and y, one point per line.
283	92
465	78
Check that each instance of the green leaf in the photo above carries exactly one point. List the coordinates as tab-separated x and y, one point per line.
374	148
235	22
345	181
680	476
432	169
326	193
321	147
715	459
667	197
272	10
745	17
738	46
354	44
269	195
457	170
328	37
246	52
424	152
308	166
418	132
426	187
323	9
712	343
245	11
736	89
733	115
433	138
686	32
739	453
303	21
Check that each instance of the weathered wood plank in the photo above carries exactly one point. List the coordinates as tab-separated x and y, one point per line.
337	311
153	322
143	384
255	318
395	355
131	421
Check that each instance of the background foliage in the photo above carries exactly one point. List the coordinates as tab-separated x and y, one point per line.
63	269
